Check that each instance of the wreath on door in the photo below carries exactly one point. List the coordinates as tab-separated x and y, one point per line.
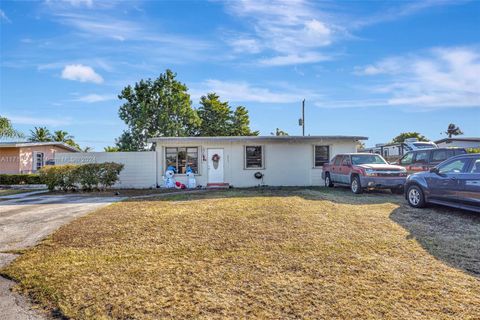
215	159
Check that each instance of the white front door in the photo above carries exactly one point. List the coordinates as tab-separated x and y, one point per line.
215	165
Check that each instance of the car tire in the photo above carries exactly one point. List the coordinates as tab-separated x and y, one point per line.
328	181
355	185
415	197
398	190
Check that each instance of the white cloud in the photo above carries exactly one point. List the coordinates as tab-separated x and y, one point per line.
442	77
292	30
244	92
82	73
92	98
308	57
3	17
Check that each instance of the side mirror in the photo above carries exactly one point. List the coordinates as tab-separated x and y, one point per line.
434	170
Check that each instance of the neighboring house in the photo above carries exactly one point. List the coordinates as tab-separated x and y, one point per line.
251	160
28	157
226	161
459	142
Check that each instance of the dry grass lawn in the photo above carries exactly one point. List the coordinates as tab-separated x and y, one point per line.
259	254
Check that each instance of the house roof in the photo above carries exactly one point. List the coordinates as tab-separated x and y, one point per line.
254	138
20	144
471	139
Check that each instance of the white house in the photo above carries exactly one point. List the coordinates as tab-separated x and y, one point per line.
251	161
460	142
226	161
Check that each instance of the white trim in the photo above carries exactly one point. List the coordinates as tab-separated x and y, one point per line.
245	156
313	151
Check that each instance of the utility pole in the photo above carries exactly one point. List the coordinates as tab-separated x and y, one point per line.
301	121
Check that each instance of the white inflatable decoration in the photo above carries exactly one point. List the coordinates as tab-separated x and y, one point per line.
191	183
168	180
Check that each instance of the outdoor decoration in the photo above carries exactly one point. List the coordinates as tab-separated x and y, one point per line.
191	183
179	185
215	159
168	180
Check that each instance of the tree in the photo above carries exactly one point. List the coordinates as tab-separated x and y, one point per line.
65	137
279	132
406	135
241	123
159	107
453	130
7	130
40	134
111	149
218	119
215	116
86	149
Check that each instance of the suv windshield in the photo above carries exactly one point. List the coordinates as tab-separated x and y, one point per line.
367	159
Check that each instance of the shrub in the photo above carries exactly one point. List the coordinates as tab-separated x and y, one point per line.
473	150
10	179
86	176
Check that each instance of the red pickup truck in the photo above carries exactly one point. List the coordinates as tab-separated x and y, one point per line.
364	171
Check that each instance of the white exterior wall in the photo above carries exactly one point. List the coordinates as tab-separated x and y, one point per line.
285	163
139	167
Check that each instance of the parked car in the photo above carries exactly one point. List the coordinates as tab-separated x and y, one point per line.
364	170
455	183
423	160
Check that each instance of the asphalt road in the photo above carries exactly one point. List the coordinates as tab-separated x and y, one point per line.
25	221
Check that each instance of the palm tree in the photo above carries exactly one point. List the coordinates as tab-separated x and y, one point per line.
453	130
64	136
87	149
7	130
40	134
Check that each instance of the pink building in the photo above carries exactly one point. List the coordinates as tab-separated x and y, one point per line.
28	157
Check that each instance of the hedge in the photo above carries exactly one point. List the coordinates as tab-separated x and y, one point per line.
88	176
10	179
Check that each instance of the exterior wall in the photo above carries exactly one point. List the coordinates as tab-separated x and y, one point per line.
27	161
9	160
285	163
139	170
459	144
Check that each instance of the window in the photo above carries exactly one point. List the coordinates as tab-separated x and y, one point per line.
337	160
455	166
322	155
440	155
38	160
385	152
253	157
422	156
476	167
181	158
346	161
407	159
367	159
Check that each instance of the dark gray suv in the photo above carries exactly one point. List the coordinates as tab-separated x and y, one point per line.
454	182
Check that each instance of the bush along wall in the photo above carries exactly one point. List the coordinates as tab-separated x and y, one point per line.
90	176
11	179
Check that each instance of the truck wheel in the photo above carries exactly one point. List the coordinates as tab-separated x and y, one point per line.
328	181
398	190
415	197
355	185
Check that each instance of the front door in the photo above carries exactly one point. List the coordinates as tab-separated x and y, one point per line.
215	165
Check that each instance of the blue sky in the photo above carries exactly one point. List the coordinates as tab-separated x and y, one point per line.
365	68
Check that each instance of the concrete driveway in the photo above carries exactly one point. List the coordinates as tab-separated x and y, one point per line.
24	221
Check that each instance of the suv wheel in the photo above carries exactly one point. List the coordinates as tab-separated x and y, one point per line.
328	181
415	197
355	185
